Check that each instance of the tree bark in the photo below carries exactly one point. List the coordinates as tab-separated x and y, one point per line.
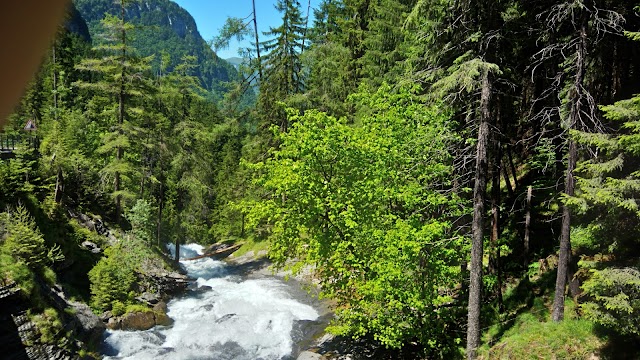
160	209
495	225
477	225
59	185
527	227
255	30
565	236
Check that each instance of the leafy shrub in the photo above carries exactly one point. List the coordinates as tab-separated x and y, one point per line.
614	299
24	240
49	325
141	218
112	278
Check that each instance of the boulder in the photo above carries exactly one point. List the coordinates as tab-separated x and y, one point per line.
90	326
138	320
160	307
163	320
148	298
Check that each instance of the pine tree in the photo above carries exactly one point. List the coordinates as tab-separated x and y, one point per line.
283	74
122	78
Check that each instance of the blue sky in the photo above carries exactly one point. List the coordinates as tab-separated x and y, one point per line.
210	15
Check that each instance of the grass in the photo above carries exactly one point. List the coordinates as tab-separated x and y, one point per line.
251	245
530	338
525	330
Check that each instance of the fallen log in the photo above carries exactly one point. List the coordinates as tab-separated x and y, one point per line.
220	253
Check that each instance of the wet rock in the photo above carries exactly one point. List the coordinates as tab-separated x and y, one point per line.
89	326
308	355
161	307
91	247
138	321
148	298
163	320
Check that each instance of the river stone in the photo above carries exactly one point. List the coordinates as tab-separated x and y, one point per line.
161	307
138	321
308	355
163	320
90	326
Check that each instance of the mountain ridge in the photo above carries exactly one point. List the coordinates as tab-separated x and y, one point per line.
163	26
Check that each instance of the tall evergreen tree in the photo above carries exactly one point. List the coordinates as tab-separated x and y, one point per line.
121	75
283	72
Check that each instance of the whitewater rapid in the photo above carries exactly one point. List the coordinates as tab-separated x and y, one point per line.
226	318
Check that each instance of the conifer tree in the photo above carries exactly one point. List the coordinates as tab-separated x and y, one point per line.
283	75
121	76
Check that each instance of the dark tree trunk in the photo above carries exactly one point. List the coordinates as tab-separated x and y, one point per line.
495	225
255	31
527	228
59	185
564	257
507	180
177	258
477	225
160	209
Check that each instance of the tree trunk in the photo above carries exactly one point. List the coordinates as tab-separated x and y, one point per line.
565	236
159	220
255	30
507	180
495	225
477	225
59	185
177	243
527	227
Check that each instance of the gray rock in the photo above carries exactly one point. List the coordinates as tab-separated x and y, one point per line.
90	326
91	247
308	355
148	298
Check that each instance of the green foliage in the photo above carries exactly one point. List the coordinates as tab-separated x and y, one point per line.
142	223
114	277
49	325
381	242
24	241
614	299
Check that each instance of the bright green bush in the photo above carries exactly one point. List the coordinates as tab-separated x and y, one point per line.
24	240
112	278
614	299
49	325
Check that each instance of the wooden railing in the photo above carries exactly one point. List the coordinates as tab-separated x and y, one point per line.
9	143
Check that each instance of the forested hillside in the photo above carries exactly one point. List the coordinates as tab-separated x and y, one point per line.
460	177
165	30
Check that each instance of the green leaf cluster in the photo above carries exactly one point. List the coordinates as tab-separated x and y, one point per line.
370	207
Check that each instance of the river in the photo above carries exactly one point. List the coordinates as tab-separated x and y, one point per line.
229	316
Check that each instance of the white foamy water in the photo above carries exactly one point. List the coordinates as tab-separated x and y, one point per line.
231	319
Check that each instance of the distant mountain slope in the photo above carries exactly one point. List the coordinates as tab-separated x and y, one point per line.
235	61
164	26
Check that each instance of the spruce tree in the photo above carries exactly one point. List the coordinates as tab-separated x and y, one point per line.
121	77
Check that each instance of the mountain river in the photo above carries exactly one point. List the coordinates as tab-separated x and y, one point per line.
229	316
